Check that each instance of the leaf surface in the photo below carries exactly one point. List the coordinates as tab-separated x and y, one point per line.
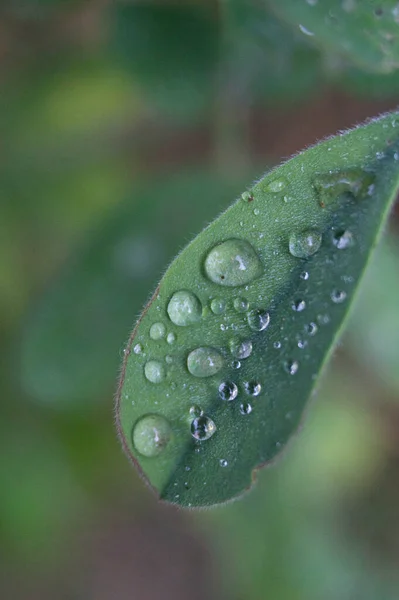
220	366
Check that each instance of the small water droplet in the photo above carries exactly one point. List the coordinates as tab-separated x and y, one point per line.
195	411
202	428
299	305
256	212
184	308
236	364
247	197
154	371
323	319
311	328
240	305
245	408
218	306
304	275
228	391
277	345
204	362
276	186
151	434
157	331
233	263
171	338
241	348
305	30
258	319
253	388
223	462
291	366
187	468
168	359
343	239
305	243
138	349
302	344
338	296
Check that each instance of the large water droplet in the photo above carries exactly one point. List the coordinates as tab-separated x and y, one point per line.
233	263
184	308
151	434
245	408
258	319
305	244
241	348
240	305
228	391
157	331
338	296
218	306
204	362
299	305
154	371
202	428
343	239
291	366
253	388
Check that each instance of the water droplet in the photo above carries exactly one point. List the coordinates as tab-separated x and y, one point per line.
138	349
332	185
195	411
299	305
204	362
184	308
245	408
258	319
228	391
240	305
233	263
276	186
302	344
305	31
247	197
305	243
171	338
291	366
218	306
253	388
157	331
304	275
343	239
277	345
223	462
256	212
154	371
202	428
236	364
151	434
338	296
241	348
311	328
323	319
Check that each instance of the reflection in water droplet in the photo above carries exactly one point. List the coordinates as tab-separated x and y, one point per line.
195	411
343	239
291	366
299	305
138	349
154	371
228	391
184	308
204	362
157	331
305	30
223	462
233	263
218	306
305	243
202	428
338	296
151	434
241	348
276	186
245	408
253	388
240	305
311	328
171	338
258	319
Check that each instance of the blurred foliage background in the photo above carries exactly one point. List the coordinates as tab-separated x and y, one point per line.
124	128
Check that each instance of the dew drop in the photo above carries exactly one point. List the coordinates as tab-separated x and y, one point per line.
245	408
233	263
305	243
138	349
311	328
299	305
204	362
228	391
171	338
223	462
256	212
276	186
218	306
277	345
154	371
151	434
240	305
258	319
291	366
184	308
343	239
302	344
253	388
247	197
304	275
236	364
241	348
338	296
157	331
202	428
195	411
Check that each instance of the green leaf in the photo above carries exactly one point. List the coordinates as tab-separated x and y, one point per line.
220	365
366	32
